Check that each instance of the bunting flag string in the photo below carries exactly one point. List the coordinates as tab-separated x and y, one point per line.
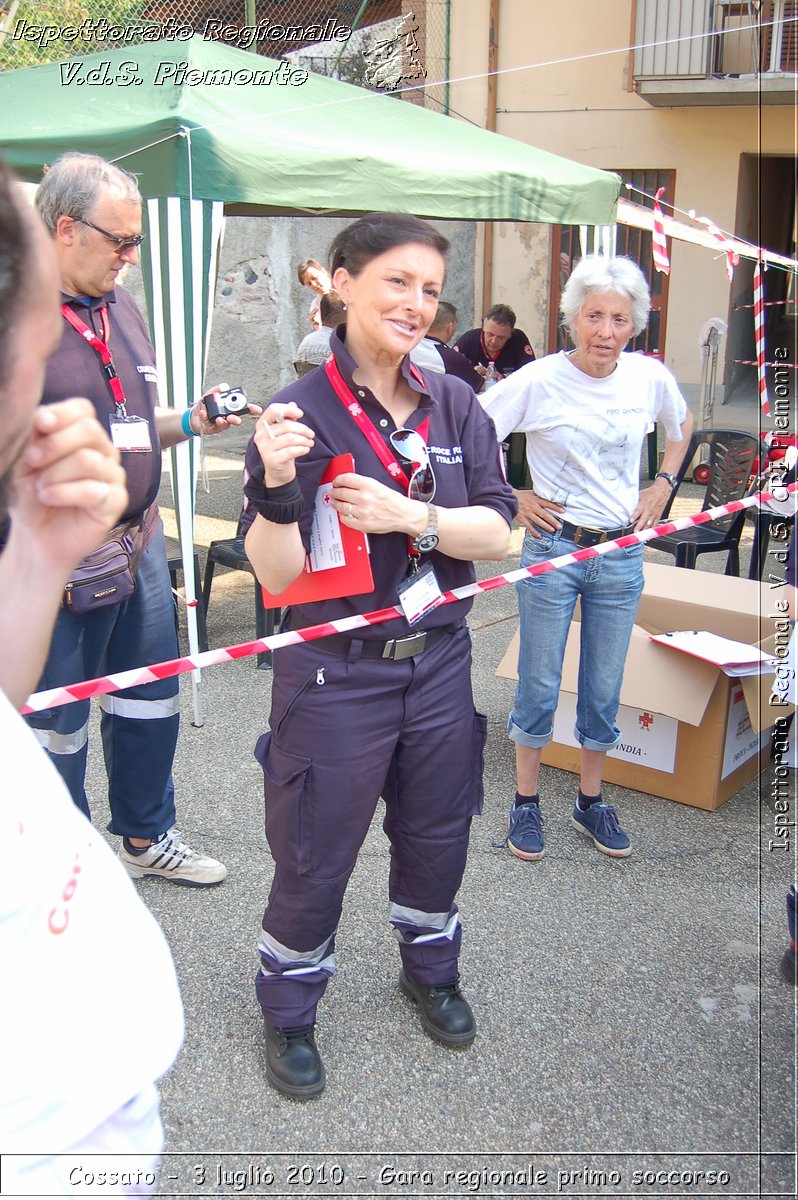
759	339
659	247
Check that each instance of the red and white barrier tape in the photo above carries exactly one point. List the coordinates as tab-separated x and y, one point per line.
54	697
759	338
754	362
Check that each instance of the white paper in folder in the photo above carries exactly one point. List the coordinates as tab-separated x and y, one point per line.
734	658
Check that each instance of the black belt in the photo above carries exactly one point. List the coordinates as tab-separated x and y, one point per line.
583	536
396	648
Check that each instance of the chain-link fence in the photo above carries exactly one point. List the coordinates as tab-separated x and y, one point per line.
399	46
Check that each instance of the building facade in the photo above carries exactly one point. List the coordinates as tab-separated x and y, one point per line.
698	96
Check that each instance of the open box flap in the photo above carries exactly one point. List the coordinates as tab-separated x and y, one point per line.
674	598
655	679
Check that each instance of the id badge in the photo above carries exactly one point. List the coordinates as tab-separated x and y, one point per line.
131	434
419	594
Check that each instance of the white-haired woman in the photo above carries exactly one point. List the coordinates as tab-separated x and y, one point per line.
585	413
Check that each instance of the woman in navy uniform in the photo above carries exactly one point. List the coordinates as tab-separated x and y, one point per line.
389	712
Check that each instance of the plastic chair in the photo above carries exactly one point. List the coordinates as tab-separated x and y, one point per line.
230	553
767	523
732	458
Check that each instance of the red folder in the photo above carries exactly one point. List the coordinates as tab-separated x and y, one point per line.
352	578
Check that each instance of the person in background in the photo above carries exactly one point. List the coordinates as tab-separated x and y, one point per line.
311	274
92	211
435	347
314	349
69	916
585	413
497	342
388	712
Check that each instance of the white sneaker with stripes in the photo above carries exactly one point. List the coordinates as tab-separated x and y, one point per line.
171	858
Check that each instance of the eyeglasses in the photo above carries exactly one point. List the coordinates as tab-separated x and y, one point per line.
121	243
411	446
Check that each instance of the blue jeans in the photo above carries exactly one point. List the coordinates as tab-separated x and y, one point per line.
608	588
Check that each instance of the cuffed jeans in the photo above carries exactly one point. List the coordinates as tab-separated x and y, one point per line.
608	588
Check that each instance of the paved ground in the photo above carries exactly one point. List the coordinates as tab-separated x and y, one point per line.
634	1032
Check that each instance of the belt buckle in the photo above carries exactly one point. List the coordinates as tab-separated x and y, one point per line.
405	647
578	531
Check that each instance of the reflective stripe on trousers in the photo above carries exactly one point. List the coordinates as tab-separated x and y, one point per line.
343	733
139	725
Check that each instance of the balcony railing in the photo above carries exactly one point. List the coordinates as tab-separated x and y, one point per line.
715	39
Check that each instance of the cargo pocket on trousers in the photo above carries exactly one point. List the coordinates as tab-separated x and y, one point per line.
478	764
285	786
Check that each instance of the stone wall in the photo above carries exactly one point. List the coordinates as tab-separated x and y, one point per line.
261	310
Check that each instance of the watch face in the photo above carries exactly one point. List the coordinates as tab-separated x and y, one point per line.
427	542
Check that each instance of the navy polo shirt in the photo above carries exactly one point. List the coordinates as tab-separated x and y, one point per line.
465	459
75	369
515	353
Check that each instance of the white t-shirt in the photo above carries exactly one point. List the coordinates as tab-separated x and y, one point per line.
584	435
314	347
91	1011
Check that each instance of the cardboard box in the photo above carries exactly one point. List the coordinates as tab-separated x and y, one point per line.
689	732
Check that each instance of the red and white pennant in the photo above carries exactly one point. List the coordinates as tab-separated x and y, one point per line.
732	257
659	247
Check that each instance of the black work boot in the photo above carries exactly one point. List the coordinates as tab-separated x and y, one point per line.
444	1011
293	1064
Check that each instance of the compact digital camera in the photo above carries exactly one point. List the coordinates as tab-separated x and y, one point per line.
225	404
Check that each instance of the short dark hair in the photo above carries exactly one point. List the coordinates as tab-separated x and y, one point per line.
16	263
305	265
370	236
332	309
446	311
502	314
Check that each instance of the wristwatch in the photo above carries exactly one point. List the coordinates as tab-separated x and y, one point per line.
672	479
429	539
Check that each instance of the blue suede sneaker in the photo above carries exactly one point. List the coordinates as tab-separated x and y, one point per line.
525	832
600	822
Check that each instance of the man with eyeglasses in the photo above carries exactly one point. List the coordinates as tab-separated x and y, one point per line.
92	210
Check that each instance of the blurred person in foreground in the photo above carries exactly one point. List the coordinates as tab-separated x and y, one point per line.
585	413
388	712
69	915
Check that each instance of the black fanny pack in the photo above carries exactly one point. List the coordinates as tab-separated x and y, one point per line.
108	574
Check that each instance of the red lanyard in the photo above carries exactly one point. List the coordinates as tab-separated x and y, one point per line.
366	427
100	345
